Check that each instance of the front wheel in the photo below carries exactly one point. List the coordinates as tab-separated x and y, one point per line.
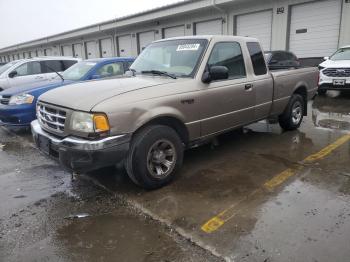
156	154
293	115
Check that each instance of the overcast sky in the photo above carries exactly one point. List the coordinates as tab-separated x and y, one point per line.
24	20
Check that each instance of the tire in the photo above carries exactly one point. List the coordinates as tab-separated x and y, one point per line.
150	148
322	92
293	115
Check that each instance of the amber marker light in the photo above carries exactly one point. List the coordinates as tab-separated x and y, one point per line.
101	123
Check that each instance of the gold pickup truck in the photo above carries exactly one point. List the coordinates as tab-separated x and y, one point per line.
178	93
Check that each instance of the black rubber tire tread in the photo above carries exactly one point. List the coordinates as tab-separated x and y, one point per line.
285	120
135	163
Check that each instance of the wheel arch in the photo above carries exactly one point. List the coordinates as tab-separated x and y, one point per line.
170	121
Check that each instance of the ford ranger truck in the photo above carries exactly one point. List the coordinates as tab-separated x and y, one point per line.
180	92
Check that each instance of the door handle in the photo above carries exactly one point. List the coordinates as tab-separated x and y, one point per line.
248	87
39	77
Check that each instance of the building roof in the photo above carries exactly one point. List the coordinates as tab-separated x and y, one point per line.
113	21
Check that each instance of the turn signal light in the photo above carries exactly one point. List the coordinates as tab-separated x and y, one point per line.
101	123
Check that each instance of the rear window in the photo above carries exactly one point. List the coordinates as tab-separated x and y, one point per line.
52	66
257	58
68	63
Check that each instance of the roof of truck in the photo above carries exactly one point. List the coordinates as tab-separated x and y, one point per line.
210	37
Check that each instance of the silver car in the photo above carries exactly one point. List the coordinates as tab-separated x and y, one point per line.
33	70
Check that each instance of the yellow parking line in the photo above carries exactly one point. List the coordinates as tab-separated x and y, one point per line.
219	220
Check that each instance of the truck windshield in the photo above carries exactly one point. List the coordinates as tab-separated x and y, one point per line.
7	66
341	54
78	71
176	57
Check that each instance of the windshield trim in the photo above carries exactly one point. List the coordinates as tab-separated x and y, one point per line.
200	58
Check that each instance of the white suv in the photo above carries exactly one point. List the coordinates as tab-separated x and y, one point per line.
335	71
34	70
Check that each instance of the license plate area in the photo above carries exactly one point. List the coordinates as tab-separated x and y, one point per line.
339	82
44	144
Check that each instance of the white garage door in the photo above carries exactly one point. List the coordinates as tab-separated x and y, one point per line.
213	27
67	50
145	39
125	46
78	50
91	50
106	47
258	25
314	29
174	31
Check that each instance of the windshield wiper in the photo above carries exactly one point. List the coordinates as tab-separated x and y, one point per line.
157	72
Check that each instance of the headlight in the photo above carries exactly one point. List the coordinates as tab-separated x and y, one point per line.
21	99
89	123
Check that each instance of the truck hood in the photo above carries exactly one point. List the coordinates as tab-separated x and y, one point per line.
28	88
84	96
335	64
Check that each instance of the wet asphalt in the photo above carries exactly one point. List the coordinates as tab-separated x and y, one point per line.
48	215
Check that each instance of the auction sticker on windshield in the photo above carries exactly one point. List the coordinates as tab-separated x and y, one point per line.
188	47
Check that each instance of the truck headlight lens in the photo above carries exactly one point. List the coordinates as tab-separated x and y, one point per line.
21	99
89	123
82	122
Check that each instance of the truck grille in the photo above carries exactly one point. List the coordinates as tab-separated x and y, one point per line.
51	118
337	72
4	100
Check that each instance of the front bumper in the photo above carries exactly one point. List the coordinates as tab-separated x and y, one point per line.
17	115
81	155
326	83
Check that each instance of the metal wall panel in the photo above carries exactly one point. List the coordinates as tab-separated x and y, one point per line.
258	25
314	28
212	27
125	46
91	49
144	39
106	47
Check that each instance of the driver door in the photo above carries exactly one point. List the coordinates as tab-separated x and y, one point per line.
27	73
230	102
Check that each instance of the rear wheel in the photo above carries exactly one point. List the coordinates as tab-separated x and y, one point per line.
293	115
156	154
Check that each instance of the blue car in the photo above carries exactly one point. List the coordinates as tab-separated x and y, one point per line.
17	104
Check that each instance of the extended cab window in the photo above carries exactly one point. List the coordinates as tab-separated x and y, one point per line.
229	55
111	70
257	58
30	68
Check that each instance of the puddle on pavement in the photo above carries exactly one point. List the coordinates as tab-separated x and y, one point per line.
332	113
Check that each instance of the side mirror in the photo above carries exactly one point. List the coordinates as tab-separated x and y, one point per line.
95	77
326	58
215	73
13	74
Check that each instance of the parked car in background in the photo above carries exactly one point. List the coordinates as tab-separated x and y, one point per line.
281	60
33	70
335	71
17	104
182	92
